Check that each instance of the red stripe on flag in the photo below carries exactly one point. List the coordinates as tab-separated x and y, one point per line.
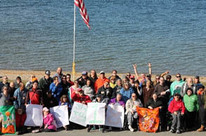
83	11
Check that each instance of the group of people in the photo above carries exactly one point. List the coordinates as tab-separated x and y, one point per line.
181	103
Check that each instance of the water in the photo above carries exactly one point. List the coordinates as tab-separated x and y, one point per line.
38	35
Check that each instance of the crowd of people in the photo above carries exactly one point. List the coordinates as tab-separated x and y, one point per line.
182	103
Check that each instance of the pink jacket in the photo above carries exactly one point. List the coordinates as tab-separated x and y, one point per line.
49	120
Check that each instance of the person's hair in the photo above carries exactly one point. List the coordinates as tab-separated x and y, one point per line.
35	82
90	82
168	77
68	75
21	84
119	94
153	94
114	70
55	78
136	81
126	83
5	86
18	78
64	96
95	73
63	76
202	86
189	89
112	78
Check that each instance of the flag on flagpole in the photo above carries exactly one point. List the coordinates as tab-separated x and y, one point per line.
83	11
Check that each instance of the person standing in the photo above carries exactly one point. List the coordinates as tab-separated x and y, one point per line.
58	74
5	97
176	86
56	88
202	107
45	82
34	96
100	81
192	106
177	109
20	97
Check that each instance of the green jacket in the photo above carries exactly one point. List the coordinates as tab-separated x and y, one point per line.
191	102
176	87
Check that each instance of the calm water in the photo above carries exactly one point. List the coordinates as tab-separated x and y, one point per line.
38	35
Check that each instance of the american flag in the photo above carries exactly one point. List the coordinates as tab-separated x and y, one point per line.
83	11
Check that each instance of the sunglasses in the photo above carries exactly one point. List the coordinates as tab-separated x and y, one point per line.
178	76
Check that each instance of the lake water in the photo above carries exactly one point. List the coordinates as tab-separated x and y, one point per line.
38	35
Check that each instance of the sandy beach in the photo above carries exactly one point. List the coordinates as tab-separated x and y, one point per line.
26	74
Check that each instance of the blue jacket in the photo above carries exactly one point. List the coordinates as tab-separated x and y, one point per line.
56	90
20	96
126	94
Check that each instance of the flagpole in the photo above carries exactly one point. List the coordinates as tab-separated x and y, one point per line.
74	44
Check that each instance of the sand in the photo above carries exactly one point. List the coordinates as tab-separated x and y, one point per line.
26	74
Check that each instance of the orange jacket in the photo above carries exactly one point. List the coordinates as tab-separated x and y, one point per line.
99	83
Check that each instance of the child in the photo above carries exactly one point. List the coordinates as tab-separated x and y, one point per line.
98	100
177	108
48	120
64	100
20	119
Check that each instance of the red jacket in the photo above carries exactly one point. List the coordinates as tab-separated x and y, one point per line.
176	106
34	97
99	83
20	119
77	98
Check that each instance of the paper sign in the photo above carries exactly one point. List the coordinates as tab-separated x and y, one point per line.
115	116
34	115
60	114
78	114
96	113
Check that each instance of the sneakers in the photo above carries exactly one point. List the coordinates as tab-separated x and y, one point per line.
110	129
89	128
172	131
131	129
66	128
178	132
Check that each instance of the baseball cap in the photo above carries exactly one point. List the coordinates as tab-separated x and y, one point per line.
45	109
197	77
84	73
102	72
47	72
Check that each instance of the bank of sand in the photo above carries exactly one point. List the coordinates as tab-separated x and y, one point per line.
26	74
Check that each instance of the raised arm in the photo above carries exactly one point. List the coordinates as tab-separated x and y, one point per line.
135	71
165	73
150	68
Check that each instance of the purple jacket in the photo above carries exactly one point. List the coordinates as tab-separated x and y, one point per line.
49	120
113	101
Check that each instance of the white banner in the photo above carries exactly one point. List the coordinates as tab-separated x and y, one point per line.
78	114
60	114
96	113
34	115
115	116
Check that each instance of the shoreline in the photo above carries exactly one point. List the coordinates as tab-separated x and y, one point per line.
26	74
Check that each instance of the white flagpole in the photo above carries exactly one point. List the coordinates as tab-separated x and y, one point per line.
74	44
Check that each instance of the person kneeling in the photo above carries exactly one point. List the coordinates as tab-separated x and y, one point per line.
177	108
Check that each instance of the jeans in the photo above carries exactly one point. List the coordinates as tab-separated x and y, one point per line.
202	114
131	117
176	122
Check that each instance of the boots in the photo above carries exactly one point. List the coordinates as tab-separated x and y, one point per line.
201	128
